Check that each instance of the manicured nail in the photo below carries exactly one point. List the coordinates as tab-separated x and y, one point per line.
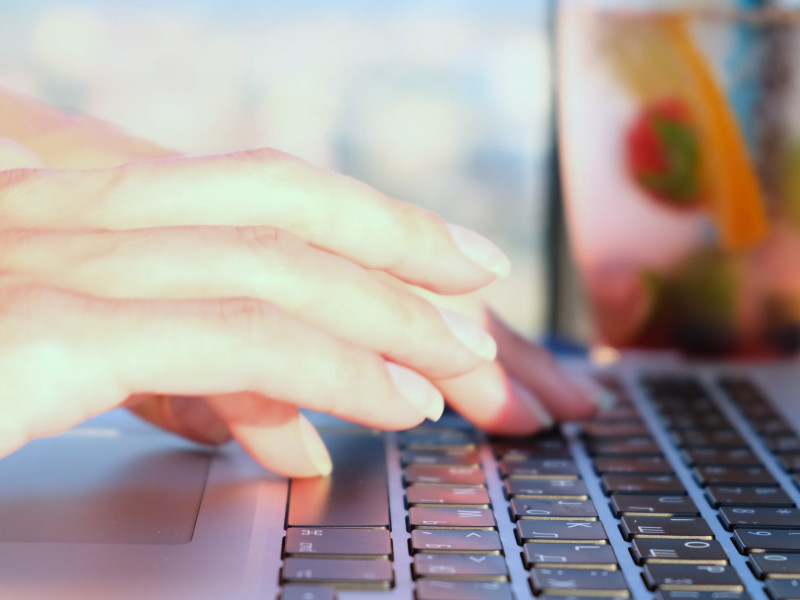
420	392
533	404
603	398
316	447
480	250
470	334
200	420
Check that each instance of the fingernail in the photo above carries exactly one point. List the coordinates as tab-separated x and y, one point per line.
316	447
470	334
420	392
480	250
603	398
533	405
200	420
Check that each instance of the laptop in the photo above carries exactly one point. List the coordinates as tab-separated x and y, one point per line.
686	489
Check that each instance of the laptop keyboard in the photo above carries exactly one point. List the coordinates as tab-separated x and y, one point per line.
670	496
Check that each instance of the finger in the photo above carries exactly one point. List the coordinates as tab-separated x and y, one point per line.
495	402
275	434
72	356
260	262
264	187
567	396
190	417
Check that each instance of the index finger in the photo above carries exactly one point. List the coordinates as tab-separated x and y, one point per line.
264	187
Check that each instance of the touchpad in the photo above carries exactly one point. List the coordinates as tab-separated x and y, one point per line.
98	486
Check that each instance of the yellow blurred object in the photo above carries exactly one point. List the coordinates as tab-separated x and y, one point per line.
657	59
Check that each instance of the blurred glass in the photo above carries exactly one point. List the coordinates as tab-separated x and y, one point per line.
681	154
442	103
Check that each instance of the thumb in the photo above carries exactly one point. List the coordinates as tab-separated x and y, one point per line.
14	155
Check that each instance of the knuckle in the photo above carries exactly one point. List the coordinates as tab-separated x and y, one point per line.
259	239
247	316
262	155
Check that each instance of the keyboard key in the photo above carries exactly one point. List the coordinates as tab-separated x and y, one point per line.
453	456
438	517
742	457
432	589
599	430
540	468
665	527
355	496
456	540
783	443
776	565
666	595
308	592
346	574
576	556
766	540
745	516
653	505
690	421
447	494
783	589
719	495
589	532
744	476
559	582
522	448
642	484
721	438
546	488
632	464
336	542
790	462
464	475
676	552
534	508
700	578
640	446
436	439
482	567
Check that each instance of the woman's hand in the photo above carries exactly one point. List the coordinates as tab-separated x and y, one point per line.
216	295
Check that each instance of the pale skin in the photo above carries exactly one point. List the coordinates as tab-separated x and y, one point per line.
217	296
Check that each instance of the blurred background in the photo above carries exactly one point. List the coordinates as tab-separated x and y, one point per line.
444	103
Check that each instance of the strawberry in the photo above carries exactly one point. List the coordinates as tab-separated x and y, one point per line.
663	153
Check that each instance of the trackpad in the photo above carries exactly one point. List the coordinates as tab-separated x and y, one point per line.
102	487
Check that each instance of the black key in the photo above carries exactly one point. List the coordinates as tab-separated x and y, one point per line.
690	421
559	582
480	567
721	438
564	510
745	516
776	565
677	552
769	426
790	462
456	495
438	517
472	541
744	476
766	540
338	542
742	457
599	430
308	592
589	532
617	414
464	475
783	589
653	505
665	527
640	446
721	495
642	484
355	496
454	456
436	439
432	589
546	488
575	556
783	443
342	573
701	578
540	468
530	447
666	595
632	464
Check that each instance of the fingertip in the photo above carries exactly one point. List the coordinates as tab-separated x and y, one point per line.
315	447
480	250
